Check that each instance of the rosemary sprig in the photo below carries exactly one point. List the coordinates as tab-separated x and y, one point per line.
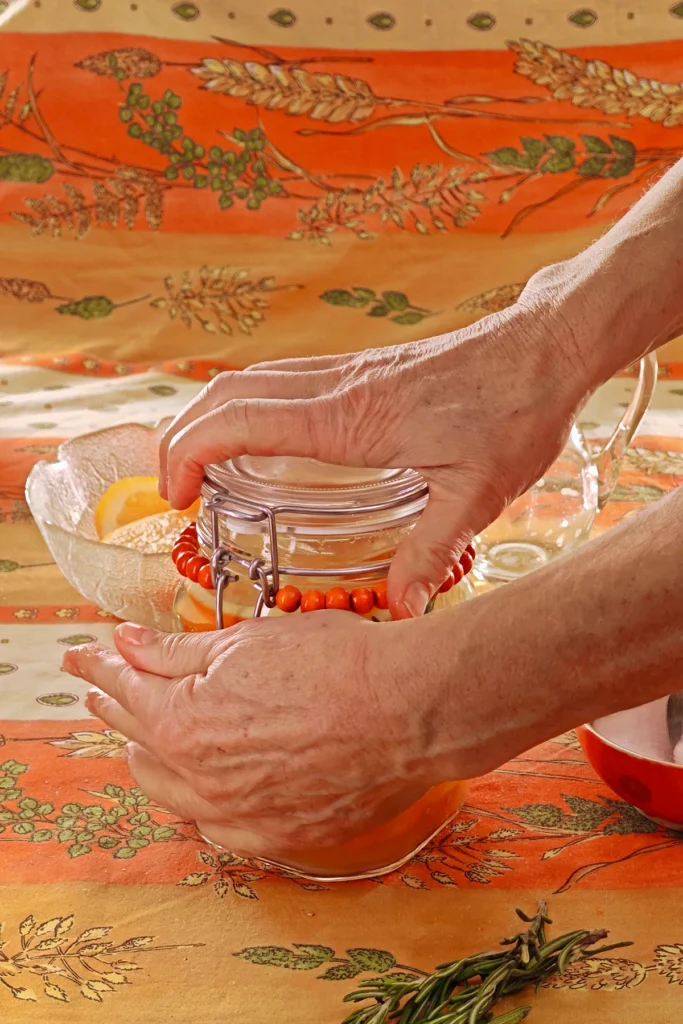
465	991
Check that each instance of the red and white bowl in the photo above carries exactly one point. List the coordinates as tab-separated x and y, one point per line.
654	786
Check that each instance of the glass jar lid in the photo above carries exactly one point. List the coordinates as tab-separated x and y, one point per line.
306	518
309	485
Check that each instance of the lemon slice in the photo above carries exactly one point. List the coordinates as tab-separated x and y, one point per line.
131	498
153	535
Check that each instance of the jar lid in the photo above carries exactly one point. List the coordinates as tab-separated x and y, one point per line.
272	514
308	484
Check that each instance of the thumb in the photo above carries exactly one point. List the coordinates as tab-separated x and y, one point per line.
247	426
170	655
429	552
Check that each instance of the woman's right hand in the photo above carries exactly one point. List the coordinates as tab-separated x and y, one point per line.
480	413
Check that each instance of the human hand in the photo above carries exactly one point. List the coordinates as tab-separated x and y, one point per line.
274	735
480	413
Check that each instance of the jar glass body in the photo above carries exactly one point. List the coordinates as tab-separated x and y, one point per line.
327	547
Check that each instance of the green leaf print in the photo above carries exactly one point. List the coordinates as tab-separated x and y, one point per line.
396	300
583	18
26	167
390	302
595	145
57	700
185	11
93	307
379	960
382	21
341	972
283	17
409	318
279	956
482	21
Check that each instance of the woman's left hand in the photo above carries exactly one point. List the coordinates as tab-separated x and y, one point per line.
277	734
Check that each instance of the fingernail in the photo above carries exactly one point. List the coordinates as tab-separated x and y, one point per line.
136	635
91	700
70	664
415	599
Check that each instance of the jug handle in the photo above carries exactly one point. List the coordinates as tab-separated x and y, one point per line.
608	459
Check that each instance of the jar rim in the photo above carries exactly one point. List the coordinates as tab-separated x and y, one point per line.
313	486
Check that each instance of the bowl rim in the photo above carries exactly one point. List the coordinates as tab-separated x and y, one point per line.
62	451
589	727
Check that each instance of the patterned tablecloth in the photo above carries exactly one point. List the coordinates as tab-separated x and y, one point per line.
154	926
188	183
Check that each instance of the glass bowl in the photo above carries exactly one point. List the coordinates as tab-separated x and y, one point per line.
62	496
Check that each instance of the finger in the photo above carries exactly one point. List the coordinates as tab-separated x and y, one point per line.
258	427
112	714
139	693
165	787
239	384
169	655
306	364
453	515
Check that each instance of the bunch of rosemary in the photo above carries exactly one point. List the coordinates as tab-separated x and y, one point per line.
464	991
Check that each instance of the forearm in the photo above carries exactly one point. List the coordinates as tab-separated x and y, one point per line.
621	298
590	635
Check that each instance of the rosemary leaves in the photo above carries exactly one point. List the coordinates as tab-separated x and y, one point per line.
465	991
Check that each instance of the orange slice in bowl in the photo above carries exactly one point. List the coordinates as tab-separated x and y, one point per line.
126	501
152	535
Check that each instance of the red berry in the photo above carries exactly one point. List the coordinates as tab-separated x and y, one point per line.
380	592
182	548
312	601
288	599
466	561
182	560
193	567
471	551
338	599
458	573
204	577
362	600
447	584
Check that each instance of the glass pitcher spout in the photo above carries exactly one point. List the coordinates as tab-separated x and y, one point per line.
608	460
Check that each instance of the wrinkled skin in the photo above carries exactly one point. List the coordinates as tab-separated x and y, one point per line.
309	730
254	731
481	413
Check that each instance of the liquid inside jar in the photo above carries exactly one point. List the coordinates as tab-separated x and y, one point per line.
333	528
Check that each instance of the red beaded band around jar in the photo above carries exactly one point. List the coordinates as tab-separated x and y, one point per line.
362	600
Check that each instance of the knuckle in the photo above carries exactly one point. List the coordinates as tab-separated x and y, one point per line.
222	384
238	415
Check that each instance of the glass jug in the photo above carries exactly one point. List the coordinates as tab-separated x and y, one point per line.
284	536
556	515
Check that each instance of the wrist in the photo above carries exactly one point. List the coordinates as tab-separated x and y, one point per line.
565	294
620	298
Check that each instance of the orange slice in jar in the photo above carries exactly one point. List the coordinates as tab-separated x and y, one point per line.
197	616
153	535
128	500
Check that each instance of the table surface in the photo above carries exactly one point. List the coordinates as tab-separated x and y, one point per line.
419	168
81	854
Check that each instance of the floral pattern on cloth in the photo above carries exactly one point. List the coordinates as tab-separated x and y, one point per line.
190	187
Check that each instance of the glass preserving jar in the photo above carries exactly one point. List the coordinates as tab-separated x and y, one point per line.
280	536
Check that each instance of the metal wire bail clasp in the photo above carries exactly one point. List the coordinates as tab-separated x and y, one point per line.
223	557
